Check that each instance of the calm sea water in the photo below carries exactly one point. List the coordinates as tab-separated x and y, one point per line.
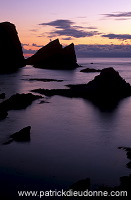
71	139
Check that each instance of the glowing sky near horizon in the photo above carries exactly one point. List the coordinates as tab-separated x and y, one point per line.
84	21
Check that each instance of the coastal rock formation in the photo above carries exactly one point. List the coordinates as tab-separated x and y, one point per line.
54	56
105	90
11	55
18	101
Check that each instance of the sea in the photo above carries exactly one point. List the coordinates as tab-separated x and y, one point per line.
71	138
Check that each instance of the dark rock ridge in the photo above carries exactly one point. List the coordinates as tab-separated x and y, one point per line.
54	56
11	55
88	70
18	101
105	91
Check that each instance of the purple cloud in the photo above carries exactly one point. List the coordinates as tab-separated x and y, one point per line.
68	28
118	36
119	15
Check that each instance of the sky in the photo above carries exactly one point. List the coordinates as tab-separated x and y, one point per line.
96	27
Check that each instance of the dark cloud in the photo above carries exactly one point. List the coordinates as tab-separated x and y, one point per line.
67	38
118	36
103	50
119	15
35	45
29	51
24	44
75	33
68	28
34	30
60	23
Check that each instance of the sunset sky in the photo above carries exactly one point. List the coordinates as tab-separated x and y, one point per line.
97	25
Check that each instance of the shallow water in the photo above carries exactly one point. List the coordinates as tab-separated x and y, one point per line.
71	139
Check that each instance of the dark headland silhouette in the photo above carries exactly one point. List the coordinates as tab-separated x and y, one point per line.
11	54
54	56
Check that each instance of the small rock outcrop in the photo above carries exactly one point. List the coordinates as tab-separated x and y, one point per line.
11	55
54	56
23	135
18	101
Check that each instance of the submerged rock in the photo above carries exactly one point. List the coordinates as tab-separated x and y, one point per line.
105	90
42	79
11	55
18	101
54	56
88	70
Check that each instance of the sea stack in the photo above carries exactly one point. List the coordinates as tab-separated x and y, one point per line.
54	56
11	55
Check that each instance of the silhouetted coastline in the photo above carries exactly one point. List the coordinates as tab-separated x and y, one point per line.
105	91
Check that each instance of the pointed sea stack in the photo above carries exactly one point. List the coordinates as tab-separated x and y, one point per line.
11	55
53	56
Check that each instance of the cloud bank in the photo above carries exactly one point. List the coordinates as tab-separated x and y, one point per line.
118	36
103	50
68	28
119	15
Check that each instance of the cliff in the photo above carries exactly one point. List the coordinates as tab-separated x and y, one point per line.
11	55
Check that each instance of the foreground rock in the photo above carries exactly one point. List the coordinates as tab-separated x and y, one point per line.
2	95
21	136
18	101
54	56
3	114
105	91
128	154
11	55
88	70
